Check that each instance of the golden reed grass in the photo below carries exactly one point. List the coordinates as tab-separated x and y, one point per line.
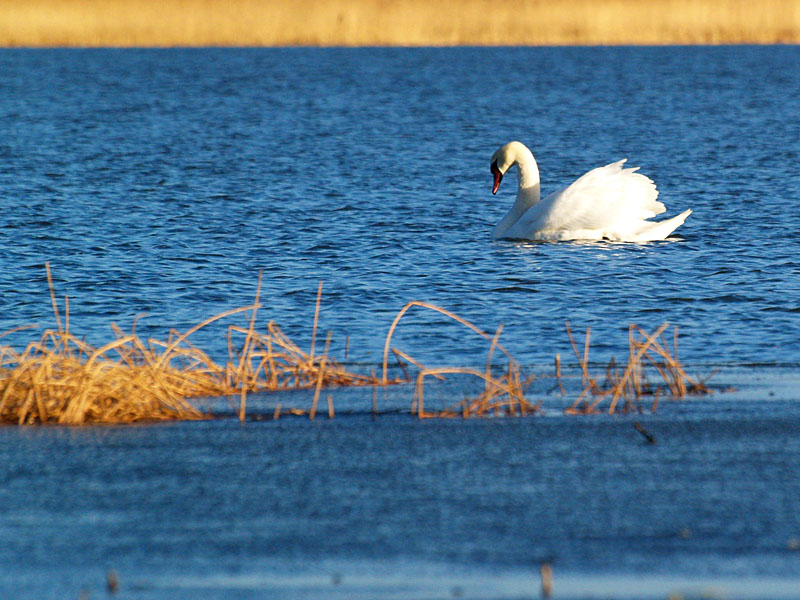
61	379
394	22
630	385
502	394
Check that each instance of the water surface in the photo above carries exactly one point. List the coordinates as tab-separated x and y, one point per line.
160	182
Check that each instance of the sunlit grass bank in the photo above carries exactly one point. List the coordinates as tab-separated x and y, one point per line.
394	22
61	379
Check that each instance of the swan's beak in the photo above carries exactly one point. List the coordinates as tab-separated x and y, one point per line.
498	177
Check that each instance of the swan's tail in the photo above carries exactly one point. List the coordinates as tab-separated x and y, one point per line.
659	230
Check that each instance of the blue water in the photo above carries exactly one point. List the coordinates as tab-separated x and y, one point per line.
160	182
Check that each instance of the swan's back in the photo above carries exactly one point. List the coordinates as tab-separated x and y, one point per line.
608	202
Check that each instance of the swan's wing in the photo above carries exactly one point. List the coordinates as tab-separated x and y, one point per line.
605	201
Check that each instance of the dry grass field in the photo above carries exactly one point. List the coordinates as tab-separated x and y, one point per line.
395	22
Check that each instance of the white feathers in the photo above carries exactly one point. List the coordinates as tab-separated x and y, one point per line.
608	202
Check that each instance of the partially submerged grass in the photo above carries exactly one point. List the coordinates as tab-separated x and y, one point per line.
61	379
502	394
624	389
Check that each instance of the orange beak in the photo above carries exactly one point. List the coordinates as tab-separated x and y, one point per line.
498	177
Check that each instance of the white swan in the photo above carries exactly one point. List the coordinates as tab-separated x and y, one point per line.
608	203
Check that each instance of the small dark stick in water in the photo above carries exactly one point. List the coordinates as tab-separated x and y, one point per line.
112	582
647	435
558	374
546	571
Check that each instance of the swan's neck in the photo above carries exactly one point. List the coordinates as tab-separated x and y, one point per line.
528	192
527	172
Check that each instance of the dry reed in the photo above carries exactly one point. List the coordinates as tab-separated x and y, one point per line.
500	395
632	385
62	379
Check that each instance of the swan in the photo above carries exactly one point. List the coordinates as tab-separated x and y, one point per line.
607	203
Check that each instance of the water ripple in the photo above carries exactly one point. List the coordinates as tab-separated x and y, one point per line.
155	191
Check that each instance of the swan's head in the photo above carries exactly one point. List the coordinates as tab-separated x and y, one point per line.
502	161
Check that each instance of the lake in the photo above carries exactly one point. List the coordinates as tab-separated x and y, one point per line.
160	182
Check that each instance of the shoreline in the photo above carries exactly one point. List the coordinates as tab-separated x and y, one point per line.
412	23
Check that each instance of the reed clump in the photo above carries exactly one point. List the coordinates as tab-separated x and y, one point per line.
501	395
62	379
623	389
